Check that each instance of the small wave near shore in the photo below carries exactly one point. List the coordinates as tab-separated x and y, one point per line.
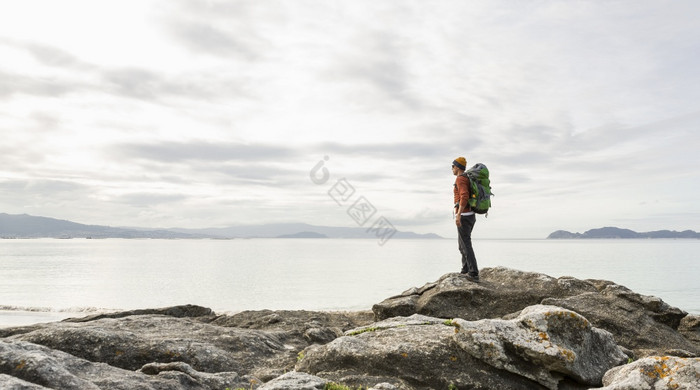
11	315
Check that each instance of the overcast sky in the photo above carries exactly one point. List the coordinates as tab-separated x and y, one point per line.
213	113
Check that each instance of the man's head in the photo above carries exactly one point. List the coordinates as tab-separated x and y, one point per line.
459	165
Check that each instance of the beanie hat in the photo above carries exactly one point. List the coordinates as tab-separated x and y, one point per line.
460	162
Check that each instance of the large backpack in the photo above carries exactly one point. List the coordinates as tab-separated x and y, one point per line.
479	188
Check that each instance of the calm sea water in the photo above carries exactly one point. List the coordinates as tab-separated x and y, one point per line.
50	279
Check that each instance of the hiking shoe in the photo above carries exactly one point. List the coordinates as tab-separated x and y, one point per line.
470	278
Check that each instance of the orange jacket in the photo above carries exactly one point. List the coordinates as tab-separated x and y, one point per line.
461	192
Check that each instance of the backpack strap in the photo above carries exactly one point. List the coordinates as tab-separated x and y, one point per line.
469	183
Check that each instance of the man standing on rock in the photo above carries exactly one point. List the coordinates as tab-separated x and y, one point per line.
465	219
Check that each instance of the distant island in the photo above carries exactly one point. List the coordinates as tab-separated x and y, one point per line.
614	233
28	226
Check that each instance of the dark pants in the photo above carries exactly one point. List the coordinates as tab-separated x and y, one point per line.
465	245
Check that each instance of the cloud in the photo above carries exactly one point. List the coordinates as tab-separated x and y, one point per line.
12	84
206	39
53	56
218	29
138	83
62	73
235	156
28	193
264	174
203	151
425	217
55	72
388	151
376	60
150	85
148	199
206	166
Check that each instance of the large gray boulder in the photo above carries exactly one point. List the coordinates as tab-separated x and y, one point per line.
642	323
655	372
191	341
11	383
299	327
539	349
132	342
180	311
690	328
501	291
294	380
544	343
416	352
31	366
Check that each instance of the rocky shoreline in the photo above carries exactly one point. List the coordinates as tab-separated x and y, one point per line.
514	330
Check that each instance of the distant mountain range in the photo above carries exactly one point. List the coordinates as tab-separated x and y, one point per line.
614	232
28	226
296	230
